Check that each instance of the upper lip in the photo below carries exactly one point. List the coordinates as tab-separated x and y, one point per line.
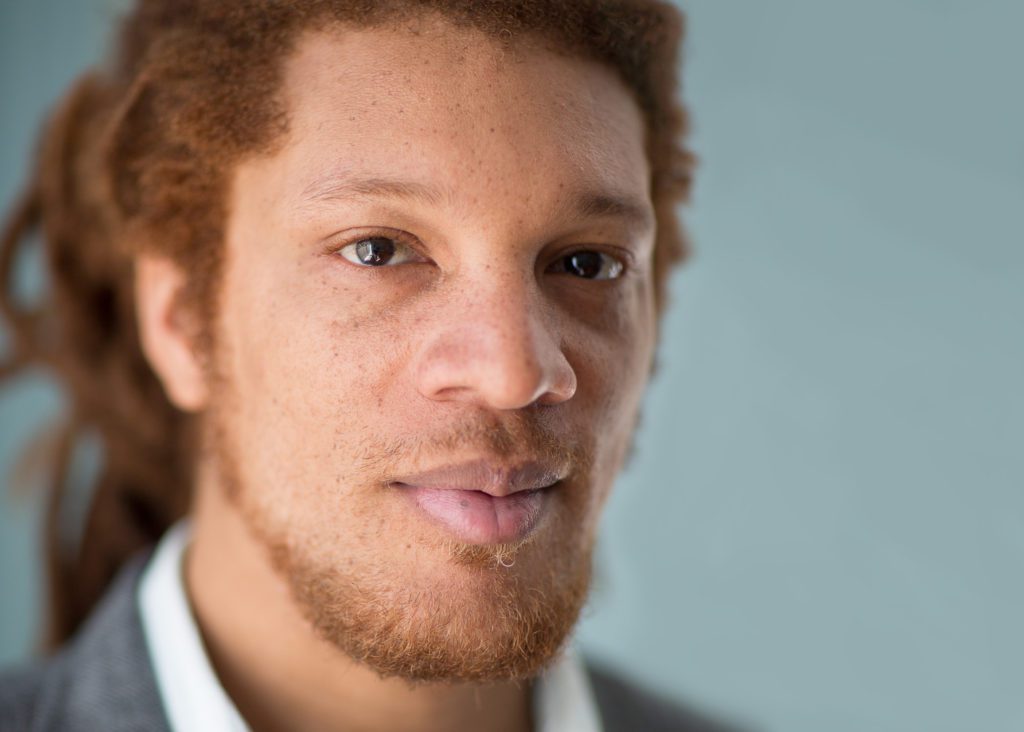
495	479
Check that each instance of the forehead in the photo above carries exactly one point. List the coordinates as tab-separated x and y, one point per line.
453	107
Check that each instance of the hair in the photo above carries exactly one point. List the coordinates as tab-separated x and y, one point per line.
136	158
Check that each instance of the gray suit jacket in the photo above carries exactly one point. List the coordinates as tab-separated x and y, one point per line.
102	681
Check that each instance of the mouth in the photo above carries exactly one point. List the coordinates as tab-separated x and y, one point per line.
481	502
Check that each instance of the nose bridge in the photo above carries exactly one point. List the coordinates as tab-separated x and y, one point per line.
495	344
505	309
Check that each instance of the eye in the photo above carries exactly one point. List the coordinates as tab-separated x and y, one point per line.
378	251
589	265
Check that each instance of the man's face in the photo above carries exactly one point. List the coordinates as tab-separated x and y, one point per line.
435	328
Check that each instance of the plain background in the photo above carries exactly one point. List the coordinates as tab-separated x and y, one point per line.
823	528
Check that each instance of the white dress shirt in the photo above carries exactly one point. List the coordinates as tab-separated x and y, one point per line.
194	699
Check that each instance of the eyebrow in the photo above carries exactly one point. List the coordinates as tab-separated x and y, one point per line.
597	205
335	188
585	204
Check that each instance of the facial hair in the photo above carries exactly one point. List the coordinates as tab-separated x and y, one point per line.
497	612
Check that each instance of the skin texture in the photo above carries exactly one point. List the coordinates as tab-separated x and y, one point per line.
329	378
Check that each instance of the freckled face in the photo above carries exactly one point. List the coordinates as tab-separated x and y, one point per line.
445	266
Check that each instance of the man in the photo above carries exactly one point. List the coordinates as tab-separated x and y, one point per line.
396	270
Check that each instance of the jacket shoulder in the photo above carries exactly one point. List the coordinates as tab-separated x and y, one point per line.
19	690
101	680
625	707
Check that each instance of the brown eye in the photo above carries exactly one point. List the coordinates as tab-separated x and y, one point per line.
377	251
590	265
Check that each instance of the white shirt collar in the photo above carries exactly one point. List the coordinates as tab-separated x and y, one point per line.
194	699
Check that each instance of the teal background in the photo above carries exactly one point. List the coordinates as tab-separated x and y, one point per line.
823	528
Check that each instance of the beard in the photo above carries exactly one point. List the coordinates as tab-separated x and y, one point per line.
495	626
461	612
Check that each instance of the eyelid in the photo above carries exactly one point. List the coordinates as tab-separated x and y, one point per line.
625	256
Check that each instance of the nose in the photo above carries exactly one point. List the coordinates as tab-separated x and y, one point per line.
495	349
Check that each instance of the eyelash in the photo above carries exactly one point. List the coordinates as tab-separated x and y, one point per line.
618	263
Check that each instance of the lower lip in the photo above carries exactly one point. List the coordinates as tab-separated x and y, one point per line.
476	517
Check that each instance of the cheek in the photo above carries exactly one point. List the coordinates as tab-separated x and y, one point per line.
613	366
317	342
310	370
612	355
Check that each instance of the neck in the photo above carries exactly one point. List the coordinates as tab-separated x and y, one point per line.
282	676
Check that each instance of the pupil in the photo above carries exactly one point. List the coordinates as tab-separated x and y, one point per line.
585	264
375	251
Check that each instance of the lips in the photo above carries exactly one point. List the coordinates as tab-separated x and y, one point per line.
482	502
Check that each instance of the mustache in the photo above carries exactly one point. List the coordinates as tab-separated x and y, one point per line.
509	438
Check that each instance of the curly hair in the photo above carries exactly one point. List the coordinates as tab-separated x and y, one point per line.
137	157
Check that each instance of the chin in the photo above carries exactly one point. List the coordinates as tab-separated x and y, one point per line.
479	614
